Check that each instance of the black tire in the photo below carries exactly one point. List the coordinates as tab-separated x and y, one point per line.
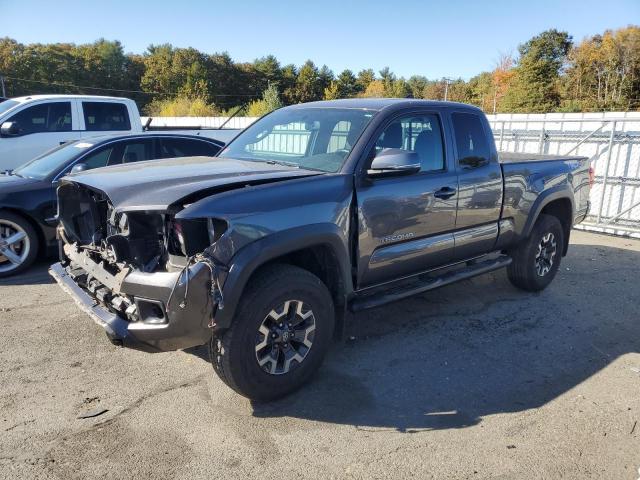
234	354
525	272
7	221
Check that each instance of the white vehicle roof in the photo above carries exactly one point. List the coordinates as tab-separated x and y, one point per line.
30	98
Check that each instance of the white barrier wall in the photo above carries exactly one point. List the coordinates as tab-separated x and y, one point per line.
611	140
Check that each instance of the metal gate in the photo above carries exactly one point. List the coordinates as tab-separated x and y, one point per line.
610	140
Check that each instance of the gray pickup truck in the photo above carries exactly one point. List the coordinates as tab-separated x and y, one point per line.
314	212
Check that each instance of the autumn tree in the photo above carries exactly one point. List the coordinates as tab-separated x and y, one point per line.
604	72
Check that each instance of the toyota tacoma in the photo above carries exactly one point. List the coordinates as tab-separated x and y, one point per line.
314	212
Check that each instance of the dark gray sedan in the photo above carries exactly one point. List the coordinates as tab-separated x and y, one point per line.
28	194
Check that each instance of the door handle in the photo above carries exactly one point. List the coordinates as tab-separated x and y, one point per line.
445	193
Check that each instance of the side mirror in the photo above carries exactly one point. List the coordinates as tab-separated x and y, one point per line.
78	167
393	162
9	129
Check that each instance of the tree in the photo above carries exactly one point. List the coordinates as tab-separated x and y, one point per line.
325	78
267	72
308	84
347	85
375	89
270	101
365	77
535	85
417	85
397	89
501	79
332	92
604	72
481	91
288	86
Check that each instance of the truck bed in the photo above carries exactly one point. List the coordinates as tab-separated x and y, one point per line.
510	157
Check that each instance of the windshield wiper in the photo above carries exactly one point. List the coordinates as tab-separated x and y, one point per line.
282	162
11	172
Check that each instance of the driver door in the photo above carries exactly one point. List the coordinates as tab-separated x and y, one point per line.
40	127
406	222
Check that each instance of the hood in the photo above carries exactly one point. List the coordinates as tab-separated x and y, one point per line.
158	184
14	183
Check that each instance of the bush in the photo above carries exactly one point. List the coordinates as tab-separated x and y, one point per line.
181	107
270	101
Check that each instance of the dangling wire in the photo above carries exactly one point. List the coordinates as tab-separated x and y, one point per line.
214	270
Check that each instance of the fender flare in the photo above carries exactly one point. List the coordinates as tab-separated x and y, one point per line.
561	192
254	255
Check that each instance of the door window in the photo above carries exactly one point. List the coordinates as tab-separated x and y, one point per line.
184	147
417	133
45	117
471	140
133	151
105	116
97	159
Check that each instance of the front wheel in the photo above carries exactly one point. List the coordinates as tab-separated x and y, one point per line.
18	244
279	335
537	259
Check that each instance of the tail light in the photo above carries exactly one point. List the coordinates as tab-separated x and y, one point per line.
592	176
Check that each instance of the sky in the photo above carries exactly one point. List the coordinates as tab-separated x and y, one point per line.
454	38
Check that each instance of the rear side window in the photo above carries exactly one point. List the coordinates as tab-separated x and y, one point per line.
184	147
105	116
471	140
46	117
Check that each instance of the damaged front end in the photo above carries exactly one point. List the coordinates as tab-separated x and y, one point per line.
147	278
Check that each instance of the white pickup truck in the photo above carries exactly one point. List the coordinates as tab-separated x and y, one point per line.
32	125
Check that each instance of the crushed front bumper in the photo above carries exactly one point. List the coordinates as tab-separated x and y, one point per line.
185	314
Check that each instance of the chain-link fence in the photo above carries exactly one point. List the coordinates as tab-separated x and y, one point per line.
610	140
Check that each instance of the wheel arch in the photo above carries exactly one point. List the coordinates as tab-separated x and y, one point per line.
320	249
558	203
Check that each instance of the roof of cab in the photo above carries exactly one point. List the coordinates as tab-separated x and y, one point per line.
29	98
381	103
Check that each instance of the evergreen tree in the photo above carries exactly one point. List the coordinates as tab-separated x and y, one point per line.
346	84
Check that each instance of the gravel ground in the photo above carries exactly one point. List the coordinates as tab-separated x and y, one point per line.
475	380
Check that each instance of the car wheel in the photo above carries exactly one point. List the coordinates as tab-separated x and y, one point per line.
536	260
18	244
279	335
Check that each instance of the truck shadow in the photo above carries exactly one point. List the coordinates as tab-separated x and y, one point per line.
450	357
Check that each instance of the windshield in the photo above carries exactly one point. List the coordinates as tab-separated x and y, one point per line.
7	105
52	161
313	138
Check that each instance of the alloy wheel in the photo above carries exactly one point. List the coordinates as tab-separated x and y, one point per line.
546	253
14	245
285	337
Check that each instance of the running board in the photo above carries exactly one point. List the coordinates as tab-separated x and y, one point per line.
415	287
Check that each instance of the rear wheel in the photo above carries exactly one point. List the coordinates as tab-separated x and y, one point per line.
536	260
279	336
18	244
